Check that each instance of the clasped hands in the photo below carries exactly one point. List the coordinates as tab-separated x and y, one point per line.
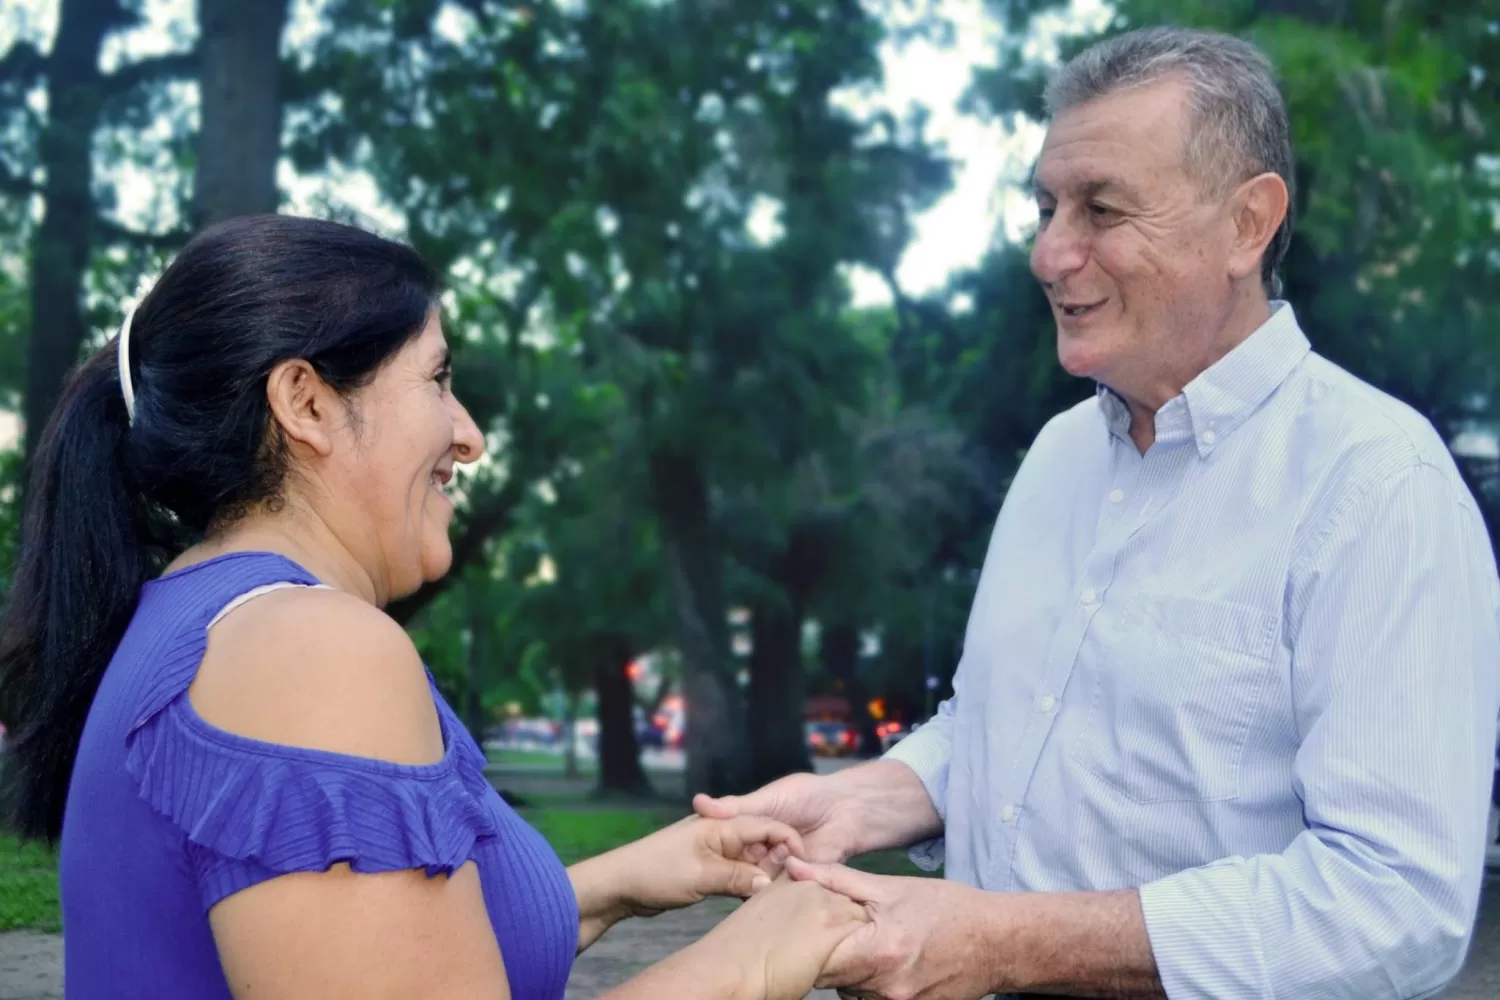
920	939
809	920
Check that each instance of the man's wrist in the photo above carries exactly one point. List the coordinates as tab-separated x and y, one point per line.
886	804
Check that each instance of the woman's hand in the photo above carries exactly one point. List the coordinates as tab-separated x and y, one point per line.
696	858
779	941
679	866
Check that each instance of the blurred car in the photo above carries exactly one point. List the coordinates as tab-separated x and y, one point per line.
890	734
831	739
671	719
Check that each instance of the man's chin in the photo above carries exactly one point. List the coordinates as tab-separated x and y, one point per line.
1077	359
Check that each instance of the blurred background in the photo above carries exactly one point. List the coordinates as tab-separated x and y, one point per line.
738	290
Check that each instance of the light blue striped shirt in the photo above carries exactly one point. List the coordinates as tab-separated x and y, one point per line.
1252	672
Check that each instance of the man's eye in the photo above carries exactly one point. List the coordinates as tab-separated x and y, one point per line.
1045	214
1097	209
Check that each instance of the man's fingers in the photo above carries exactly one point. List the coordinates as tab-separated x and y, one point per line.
858	886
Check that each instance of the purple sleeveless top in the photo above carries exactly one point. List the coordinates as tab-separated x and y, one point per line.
167	815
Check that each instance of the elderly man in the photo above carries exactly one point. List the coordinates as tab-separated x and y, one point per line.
1224	720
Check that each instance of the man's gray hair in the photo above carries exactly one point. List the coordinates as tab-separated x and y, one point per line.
1239	123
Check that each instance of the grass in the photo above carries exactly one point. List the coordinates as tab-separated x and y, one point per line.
28	887
533	758
576	834
28	872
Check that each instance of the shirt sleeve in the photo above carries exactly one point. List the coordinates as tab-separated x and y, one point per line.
1395	649
927	752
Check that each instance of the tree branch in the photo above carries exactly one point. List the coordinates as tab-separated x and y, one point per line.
23	64
15	183
171	66
487	519
114	232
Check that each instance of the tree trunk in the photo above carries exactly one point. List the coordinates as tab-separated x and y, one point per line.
840	653
778	745
61	244
717	752
239	141
620	771
570	736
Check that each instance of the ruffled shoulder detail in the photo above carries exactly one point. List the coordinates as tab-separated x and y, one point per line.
287	809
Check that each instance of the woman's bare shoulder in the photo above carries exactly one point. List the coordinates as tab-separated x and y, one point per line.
320	669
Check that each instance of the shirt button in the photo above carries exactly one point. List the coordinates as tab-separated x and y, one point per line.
1088	596
1008	814
1115	496
1209	437
1047	704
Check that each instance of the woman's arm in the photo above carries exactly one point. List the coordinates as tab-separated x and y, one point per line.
601	901
679	866
771	948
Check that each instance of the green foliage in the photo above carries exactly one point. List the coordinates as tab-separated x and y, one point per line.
644	211
10	516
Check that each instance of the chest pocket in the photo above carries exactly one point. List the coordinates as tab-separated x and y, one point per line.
1176	683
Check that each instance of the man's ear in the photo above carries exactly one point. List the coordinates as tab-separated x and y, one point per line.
306	408
1257	209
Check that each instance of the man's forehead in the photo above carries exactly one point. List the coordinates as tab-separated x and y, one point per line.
1117	142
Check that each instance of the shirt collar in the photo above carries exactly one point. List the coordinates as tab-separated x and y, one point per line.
1215	403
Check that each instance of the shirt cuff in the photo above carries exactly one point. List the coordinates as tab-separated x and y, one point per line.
1203	933
927	754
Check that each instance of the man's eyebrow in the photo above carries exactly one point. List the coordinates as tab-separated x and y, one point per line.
1087	189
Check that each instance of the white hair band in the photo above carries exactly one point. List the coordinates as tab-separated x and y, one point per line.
122	353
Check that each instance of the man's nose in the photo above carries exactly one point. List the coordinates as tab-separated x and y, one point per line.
1057	251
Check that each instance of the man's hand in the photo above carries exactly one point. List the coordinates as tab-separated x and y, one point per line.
927	940
807	803
935	940
866	808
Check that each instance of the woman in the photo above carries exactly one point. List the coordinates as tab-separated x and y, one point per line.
258	790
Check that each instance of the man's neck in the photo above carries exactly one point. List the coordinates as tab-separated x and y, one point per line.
1249	314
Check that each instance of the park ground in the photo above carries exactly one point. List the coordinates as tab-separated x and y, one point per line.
31	948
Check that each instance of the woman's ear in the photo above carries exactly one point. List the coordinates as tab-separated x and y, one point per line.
304	406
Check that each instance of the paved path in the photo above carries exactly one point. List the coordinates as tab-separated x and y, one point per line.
31	966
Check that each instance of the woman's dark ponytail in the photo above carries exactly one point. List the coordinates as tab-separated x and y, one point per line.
85	551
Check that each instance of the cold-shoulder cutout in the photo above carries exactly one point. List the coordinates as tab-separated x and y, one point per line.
321	670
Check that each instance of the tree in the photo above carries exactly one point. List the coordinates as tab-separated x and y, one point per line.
78	95
637	140
239	140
